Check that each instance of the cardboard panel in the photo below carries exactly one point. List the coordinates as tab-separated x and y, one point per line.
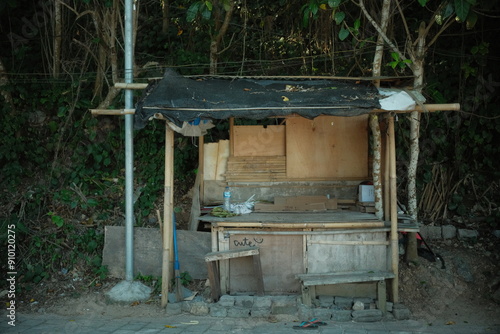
215	157
327	147
281	256
256	140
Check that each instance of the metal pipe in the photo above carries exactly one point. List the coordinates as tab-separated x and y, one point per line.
129	144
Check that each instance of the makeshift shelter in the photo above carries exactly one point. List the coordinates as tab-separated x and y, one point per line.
315	230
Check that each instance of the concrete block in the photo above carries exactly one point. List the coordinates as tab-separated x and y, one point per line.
218	311
400	312
174	308
429	232
367	315
464	234
343	303
367	301
238	312
342	315
325	301
284	305
226	301
449	231
304	312
192	247
260	312
244	301
262	302
128	291
323	313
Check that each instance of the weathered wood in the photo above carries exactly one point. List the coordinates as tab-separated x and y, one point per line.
343	277
231	254
317	148
394	210
111	112
253	140
262	207
123	85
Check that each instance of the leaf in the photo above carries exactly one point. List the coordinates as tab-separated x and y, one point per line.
343	33
209	5
339	17
357	24
192	12
471	20
334	3
422	2
462	8
322	6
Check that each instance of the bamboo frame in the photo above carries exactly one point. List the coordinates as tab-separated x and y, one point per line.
168	215
353	225
112	112
123	85
394	211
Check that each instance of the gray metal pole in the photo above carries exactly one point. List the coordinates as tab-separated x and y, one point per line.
129	143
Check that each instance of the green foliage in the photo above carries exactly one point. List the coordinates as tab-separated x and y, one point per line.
398	62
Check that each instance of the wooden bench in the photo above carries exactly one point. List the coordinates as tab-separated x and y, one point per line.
213	273
310	281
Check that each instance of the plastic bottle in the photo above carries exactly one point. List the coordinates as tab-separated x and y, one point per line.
227	199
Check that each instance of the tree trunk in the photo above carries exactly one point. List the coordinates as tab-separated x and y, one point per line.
374	125
418	72
4	81
217	40
165	14
57	38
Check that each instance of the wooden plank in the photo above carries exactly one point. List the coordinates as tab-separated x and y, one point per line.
343	277
327	147
231	254
262	207
256	140
211	153
222	158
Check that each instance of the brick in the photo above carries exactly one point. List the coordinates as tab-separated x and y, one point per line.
323	313
343	303
218	311
284	305
449	231
400	312
262	302
342	315
226	301
238	312
429	232
244	301
467	234
260	312
325	301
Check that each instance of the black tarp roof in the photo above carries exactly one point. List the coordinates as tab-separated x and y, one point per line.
183	99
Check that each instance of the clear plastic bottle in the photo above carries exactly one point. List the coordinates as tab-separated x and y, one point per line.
227	199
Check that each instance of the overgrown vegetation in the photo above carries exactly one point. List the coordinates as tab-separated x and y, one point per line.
61	169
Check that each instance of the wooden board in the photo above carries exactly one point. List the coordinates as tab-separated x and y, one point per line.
256	140
347	252
281	258
215	160
256	169
327	147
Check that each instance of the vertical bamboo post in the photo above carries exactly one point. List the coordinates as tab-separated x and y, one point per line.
201	165
377	152
167	215
394	212
231	136
387	164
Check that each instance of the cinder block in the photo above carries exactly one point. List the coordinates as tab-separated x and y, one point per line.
467	234
262	302
305	312
199	308
260	312
342	315
429	232
226	301
218	311
343	303
174	308
244	301
400	312
325	301
367	301
449	231
284	305
323	313
367	315
238	312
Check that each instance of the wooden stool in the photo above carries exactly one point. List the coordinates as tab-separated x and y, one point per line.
213	272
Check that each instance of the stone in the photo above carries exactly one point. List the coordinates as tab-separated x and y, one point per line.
174	308
238	312
343	303
496	233
464	234
226	301
449	231
305	312
358	305
367	315
218	311
463	269
429	232
496	296
400	312
365	300
199	308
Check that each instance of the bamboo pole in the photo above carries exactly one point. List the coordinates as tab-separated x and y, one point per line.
387	191
201	166
110	112
426	108
123	85
377	152
167	214
353	225
394	211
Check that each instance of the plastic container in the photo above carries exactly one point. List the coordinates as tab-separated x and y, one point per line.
227	199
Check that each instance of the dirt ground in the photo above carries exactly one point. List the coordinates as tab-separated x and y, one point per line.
459	293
